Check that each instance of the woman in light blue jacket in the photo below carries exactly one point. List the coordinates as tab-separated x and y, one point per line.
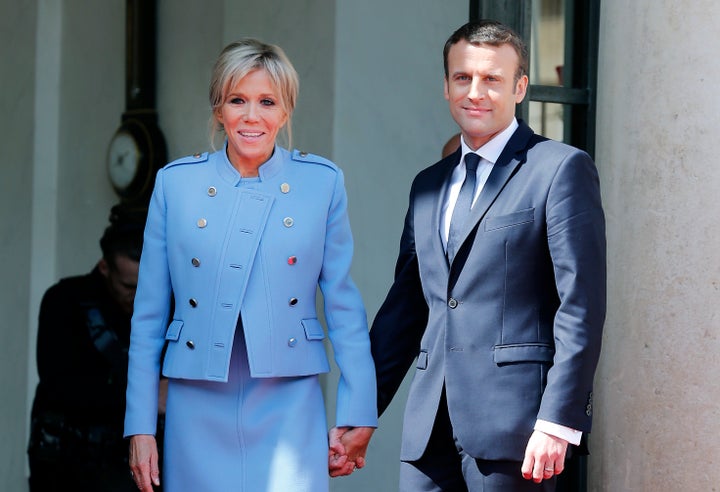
242	238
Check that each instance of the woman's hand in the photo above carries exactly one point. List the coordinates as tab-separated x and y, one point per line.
348	446
144	466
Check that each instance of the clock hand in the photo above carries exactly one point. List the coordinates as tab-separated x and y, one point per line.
121	158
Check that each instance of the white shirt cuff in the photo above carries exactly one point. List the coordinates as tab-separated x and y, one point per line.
570	435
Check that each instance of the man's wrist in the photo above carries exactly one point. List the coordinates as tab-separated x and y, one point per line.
567	433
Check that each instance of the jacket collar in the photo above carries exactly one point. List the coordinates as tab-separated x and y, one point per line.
266	171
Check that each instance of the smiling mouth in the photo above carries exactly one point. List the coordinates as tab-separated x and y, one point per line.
476	112
250	134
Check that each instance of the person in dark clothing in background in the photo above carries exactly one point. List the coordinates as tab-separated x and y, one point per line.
76	437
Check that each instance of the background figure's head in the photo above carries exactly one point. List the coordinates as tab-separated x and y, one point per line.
451	145
242	57
121	246
492	33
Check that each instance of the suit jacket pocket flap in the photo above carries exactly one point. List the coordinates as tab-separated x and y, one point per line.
509	220
523	352
313	329
422	361
173	331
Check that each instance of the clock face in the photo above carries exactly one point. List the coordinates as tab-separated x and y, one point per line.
123	160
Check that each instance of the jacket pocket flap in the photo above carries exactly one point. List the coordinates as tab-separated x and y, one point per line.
422	361
509	220
313	329
523	352
173	331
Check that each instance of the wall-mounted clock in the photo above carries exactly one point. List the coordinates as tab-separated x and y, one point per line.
123	160
133	159
137	149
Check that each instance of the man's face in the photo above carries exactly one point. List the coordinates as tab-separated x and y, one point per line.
121	280
481	89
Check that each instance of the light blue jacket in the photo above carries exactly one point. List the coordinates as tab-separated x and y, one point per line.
259	251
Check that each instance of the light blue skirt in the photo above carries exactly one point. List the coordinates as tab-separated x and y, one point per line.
246	435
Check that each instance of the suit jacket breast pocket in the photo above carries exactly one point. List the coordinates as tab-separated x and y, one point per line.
510	220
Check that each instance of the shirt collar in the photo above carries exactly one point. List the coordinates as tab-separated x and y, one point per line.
493	148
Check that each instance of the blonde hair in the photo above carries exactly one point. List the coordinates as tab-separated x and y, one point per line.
240	58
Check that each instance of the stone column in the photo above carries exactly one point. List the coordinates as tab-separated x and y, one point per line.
657	419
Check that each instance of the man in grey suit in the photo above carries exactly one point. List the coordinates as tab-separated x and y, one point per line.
499	290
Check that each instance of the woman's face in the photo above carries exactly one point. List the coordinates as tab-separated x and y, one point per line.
251	115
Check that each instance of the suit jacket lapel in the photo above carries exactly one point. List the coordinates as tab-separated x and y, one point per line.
451	161
429	199
510	158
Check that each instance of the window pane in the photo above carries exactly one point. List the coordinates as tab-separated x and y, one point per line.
547	119
547	46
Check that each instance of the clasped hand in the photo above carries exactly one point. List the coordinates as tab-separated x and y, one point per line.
347	449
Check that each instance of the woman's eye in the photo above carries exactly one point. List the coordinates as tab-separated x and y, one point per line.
267	102
236	100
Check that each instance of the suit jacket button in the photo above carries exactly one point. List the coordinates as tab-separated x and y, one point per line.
292	341
293	301
190	344
452	303
195	262
193	302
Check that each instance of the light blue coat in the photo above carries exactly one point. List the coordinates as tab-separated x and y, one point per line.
222	251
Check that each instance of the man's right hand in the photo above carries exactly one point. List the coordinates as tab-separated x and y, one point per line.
348	446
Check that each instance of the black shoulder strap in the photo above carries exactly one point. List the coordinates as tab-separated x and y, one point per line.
106	341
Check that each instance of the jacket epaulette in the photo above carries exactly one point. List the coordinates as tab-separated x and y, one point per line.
302	156
189	159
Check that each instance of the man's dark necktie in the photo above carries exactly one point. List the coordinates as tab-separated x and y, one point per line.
463	204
